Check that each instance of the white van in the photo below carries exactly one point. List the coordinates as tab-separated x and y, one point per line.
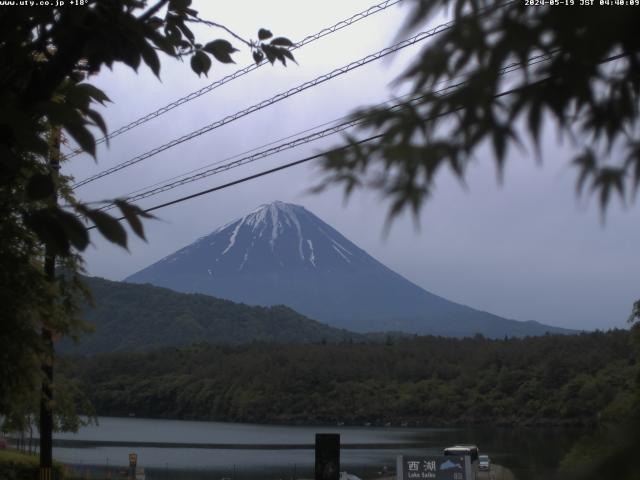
469	451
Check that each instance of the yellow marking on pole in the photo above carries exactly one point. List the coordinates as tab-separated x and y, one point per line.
45	473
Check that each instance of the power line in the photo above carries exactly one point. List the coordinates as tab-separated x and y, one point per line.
265	103
260	174
242	161
325	153
252	177
505	70
359	142
237	155
248	159
239	73
250	156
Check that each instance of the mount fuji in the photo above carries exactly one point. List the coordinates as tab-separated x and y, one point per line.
281	253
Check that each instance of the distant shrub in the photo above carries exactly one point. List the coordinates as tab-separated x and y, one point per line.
19	466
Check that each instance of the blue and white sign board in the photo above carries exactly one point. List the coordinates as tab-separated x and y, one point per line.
434	467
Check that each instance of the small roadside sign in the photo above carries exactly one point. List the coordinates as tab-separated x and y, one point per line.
433	467
133	462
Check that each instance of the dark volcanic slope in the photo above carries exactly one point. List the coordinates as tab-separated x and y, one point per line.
283	254
141	317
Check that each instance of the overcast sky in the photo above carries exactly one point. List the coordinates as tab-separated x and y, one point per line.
528	250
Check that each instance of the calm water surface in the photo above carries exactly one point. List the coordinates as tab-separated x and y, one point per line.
531	453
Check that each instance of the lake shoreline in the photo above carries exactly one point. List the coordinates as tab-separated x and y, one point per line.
499	423
193	450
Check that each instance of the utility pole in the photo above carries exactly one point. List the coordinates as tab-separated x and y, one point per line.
46	396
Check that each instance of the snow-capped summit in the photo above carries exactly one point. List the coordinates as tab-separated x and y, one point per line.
281	253
296	238
273	237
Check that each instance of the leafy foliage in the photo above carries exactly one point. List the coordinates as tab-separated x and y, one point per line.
548	380
47	56
607	452
18	466
29	303
588	85
635	312
67	398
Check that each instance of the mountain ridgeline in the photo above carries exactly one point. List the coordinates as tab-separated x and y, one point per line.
282	254
143	317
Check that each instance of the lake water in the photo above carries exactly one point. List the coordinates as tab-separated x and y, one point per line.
185	450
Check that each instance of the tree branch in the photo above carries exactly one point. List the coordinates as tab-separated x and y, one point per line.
226	29
153	10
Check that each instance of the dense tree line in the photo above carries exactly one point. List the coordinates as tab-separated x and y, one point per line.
550	380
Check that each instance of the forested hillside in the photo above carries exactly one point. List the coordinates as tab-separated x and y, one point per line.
130	317
554	379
